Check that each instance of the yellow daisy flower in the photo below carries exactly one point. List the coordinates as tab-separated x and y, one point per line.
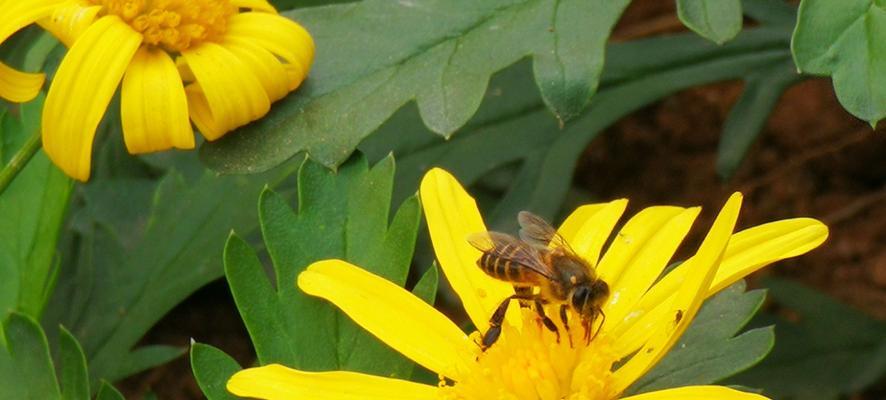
645	316
219	63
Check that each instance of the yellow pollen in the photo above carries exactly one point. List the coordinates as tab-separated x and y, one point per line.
174	25
528	364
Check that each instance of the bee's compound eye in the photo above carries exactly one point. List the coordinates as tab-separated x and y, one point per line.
580	297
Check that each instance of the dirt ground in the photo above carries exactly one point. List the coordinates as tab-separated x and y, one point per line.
813	159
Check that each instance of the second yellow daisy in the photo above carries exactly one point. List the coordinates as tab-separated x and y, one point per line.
528	362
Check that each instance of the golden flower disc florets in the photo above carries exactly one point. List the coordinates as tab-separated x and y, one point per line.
530	364
174	25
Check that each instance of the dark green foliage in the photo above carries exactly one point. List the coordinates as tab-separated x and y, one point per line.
27	370
369	69
136	262
716	20
828	351
844	39
32	210
341	215
712	348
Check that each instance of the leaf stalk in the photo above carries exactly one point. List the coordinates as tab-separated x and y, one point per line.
19	160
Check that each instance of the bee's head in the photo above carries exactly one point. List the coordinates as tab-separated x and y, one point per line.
587	299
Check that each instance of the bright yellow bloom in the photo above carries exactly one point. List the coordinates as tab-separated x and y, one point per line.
219	63
527	362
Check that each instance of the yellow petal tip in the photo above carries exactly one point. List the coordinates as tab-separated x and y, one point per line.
269	381
434	175
306	281
324	265
736	196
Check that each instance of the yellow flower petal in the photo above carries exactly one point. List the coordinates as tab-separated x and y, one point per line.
748	251
202	115
762	245
588	227
578	219
700	272
277	34
17	86
233	95
154	109
633	237
258	5
640	327
276	382
452	216
69	21
296	75
264	65
392	314
15	15
647	264
697	393
81	90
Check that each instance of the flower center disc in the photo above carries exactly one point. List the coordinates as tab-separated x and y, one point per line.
529	364
174	25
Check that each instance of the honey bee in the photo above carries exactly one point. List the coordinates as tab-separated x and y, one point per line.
544	270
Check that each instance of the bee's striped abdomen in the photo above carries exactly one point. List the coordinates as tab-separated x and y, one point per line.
499	266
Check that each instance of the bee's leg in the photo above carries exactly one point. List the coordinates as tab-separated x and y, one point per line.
539	308
565	320
491	335
523	293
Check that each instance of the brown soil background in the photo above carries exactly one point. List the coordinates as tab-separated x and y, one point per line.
812	159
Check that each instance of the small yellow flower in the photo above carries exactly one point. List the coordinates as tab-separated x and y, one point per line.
219	63
527	362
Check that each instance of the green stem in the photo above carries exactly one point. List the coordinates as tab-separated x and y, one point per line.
19	160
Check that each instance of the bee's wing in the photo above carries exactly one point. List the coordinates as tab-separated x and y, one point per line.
538	232
511	249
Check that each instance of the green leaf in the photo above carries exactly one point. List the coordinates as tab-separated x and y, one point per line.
426	288
716	20
709	350
26	370
444	65
212	369
146	357
261	309
135	263
513	133
770	12
33	208
828	351
26	366
340	215
748	116
30	50
844	39
108	392
74	376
